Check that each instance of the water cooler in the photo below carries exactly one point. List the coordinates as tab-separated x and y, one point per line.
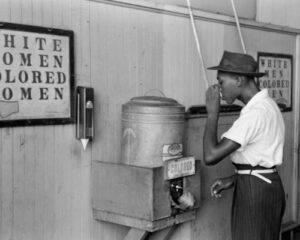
155	185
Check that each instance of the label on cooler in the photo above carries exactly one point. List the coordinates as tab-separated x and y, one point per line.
180	167
172	151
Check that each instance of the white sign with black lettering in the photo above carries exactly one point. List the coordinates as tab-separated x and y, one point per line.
179	167
34	75
278	78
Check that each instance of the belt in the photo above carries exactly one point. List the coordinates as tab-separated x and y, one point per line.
257	173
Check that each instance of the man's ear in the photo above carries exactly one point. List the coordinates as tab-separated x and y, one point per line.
239	81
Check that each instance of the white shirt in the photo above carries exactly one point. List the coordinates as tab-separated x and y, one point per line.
260	132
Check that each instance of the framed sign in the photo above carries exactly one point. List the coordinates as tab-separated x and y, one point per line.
278	78
36	75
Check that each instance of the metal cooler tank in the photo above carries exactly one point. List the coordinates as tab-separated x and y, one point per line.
152	130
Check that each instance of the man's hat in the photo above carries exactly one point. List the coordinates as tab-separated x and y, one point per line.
238	63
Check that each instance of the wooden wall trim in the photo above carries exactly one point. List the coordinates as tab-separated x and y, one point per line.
297	132
182	11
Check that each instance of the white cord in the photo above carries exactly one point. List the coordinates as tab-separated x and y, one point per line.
197	39
197	42
238	26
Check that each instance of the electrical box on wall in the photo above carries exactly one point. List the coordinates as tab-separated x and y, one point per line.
84	114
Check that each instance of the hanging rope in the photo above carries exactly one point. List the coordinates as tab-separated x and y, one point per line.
197	42
197	39
238	26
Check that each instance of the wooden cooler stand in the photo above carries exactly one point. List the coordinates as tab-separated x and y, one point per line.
139	197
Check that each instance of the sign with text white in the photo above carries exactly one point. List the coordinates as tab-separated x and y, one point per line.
35	75
278	78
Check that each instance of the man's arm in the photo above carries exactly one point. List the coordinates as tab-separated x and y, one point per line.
213	150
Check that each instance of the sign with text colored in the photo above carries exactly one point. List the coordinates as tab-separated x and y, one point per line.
180	167
278	79
36	75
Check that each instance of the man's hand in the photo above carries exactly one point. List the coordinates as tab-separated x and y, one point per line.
221	184
213	99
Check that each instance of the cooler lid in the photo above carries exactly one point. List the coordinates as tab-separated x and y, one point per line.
154	100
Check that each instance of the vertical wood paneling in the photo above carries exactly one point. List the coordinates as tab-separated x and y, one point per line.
122	53
183	78
45	179
26	11
5	10
56	13
15	11
272	11
122	67
83	70
292	14
19	198
45	174
297	127
37	11
279	12
47	13
81	27
6	167
6	183
28	144
245	8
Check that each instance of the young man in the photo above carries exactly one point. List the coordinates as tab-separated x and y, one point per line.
255	145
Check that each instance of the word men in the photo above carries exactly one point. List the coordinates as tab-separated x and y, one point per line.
35	71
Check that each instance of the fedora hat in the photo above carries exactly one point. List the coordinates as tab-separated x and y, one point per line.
238	63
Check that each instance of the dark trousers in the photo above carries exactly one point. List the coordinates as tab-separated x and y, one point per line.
257	208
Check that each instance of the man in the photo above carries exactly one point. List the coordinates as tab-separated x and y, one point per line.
255	145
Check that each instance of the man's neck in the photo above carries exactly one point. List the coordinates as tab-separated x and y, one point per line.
248	92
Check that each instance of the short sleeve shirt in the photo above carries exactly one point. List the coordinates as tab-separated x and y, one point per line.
260	131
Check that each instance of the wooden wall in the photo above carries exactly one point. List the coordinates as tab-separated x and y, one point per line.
244	8
44	174
279	12
122	52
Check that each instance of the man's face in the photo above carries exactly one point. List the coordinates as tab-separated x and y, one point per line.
228	86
